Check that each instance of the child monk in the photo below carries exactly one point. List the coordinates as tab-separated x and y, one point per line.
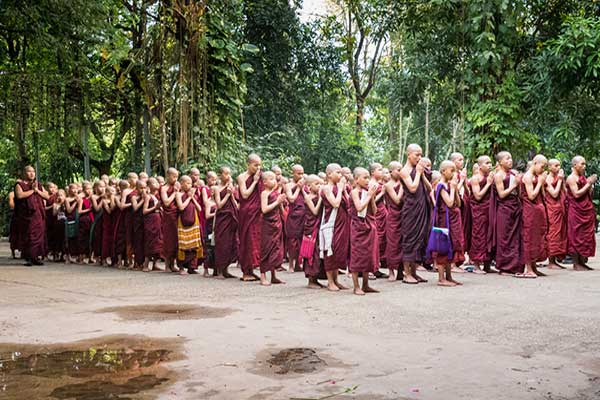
480	201
126	196
50	221
555	198
448	201
169	223
334	232
99	188
294	222
109	207
463	192
313	268
364	246
225	225
393	200
137	209
152	221
57	244
376	172
250	187
72	212
120	227
189	242
581	215
509	222
206	221
271	241
535	223
86	219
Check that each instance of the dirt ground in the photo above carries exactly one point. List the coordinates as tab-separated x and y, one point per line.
493	338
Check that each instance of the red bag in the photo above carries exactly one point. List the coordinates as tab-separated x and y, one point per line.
307	247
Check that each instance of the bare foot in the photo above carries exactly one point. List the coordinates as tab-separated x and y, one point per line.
206	274
554	266
333	287
538	273
392	276
340	286
182	272
146	270
579	267
369	289
446	283
410	280
265	282
359	292
277	281
250	278
314	285
526	276
220	277
457	283
479	271
419	279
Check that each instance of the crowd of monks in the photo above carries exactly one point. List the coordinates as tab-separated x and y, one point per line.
337	221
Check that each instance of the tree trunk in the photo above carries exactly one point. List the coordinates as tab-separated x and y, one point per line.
401	137
360	115
427	123
147	144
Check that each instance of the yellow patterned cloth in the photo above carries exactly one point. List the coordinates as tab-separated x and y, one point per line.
189	238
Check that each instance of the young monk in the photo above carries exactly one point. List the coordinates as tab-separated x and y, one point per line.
108	206
416	214
581	215
126	195
393	228
464	192
152	221
509	244
208	205
51	223
72	212
143	177
386	175
448	201
14	234
120	228
250	187
58	232
169	222
376	172
313	268
480	201
30	196
364	246
137	209
555	198
294	223
189	242
535	223
334	232
225	224
99	188
271	241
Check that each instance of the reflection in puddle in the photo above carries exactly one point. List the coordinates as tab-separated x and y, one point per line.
98	369
163	312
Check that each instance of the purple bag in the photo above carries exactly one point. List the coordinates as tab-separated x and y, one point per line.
439	238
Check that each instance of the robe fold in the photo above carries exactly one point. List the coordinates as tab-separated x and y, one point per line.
557	222
108	235
226	233
581	222
380	221
85	226
249	224
480	225
313	268
341	233
364	246
535	226
294	226
416	220
152	222
271	237
169	227
393	229
32	223
456	230
509	230
137	219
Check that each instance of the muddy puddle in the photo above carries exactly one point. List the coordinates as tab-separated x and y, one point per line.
163	312
293	361
105	368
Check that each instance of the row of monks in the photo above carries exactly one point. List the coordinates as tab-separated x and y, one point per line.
323	224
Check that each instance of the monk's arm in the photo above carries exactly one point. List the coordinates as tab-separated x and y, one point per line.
208	213
379	195
196	204
166	199
181	205
42	193
389	189
335	201
136	204
21	194
292	194
265	207
123	204
146	209
577	193
245	192
359	204
502	193
314	208
411	184
449	198
554	191
221	202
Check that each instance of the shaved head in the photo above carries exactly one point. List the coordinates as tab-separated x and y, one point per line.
502	154
413	147
553	161
332	167
577	160
483	159
185	178
540	159
374	166
394	165
252	158
455	156
360	171
446	164
297	168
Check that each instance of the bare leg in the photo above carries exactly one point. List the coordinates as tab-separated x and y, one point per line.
146	263
408	276
365	285
263	279
417	277
357	290
529	271
313	283
449	277
442	281
331	284
337	283
275	280
392	275
553	264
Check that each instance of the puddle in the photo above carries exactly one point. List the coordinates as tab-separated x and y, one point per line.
105	368
163	312
292	361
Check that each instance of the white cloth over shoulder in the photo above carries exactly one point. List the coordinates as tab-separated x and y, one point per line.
326	234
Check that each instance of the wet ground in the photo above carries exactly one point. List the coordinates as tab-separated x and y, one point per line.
89	333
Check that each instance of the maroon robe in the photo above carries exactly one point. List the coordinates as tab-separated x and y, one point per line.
85	225
120	233
138	238
226	233
129	225
456	230
466	215
152	223
380	221
32	223
55	229
416	221
557	222
249	224
393	230
271	237
364	246
581	222
108	234
169	227
535	225
341	233
73	244
312	268
480	224
97	232
294	226
188	218
509	229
